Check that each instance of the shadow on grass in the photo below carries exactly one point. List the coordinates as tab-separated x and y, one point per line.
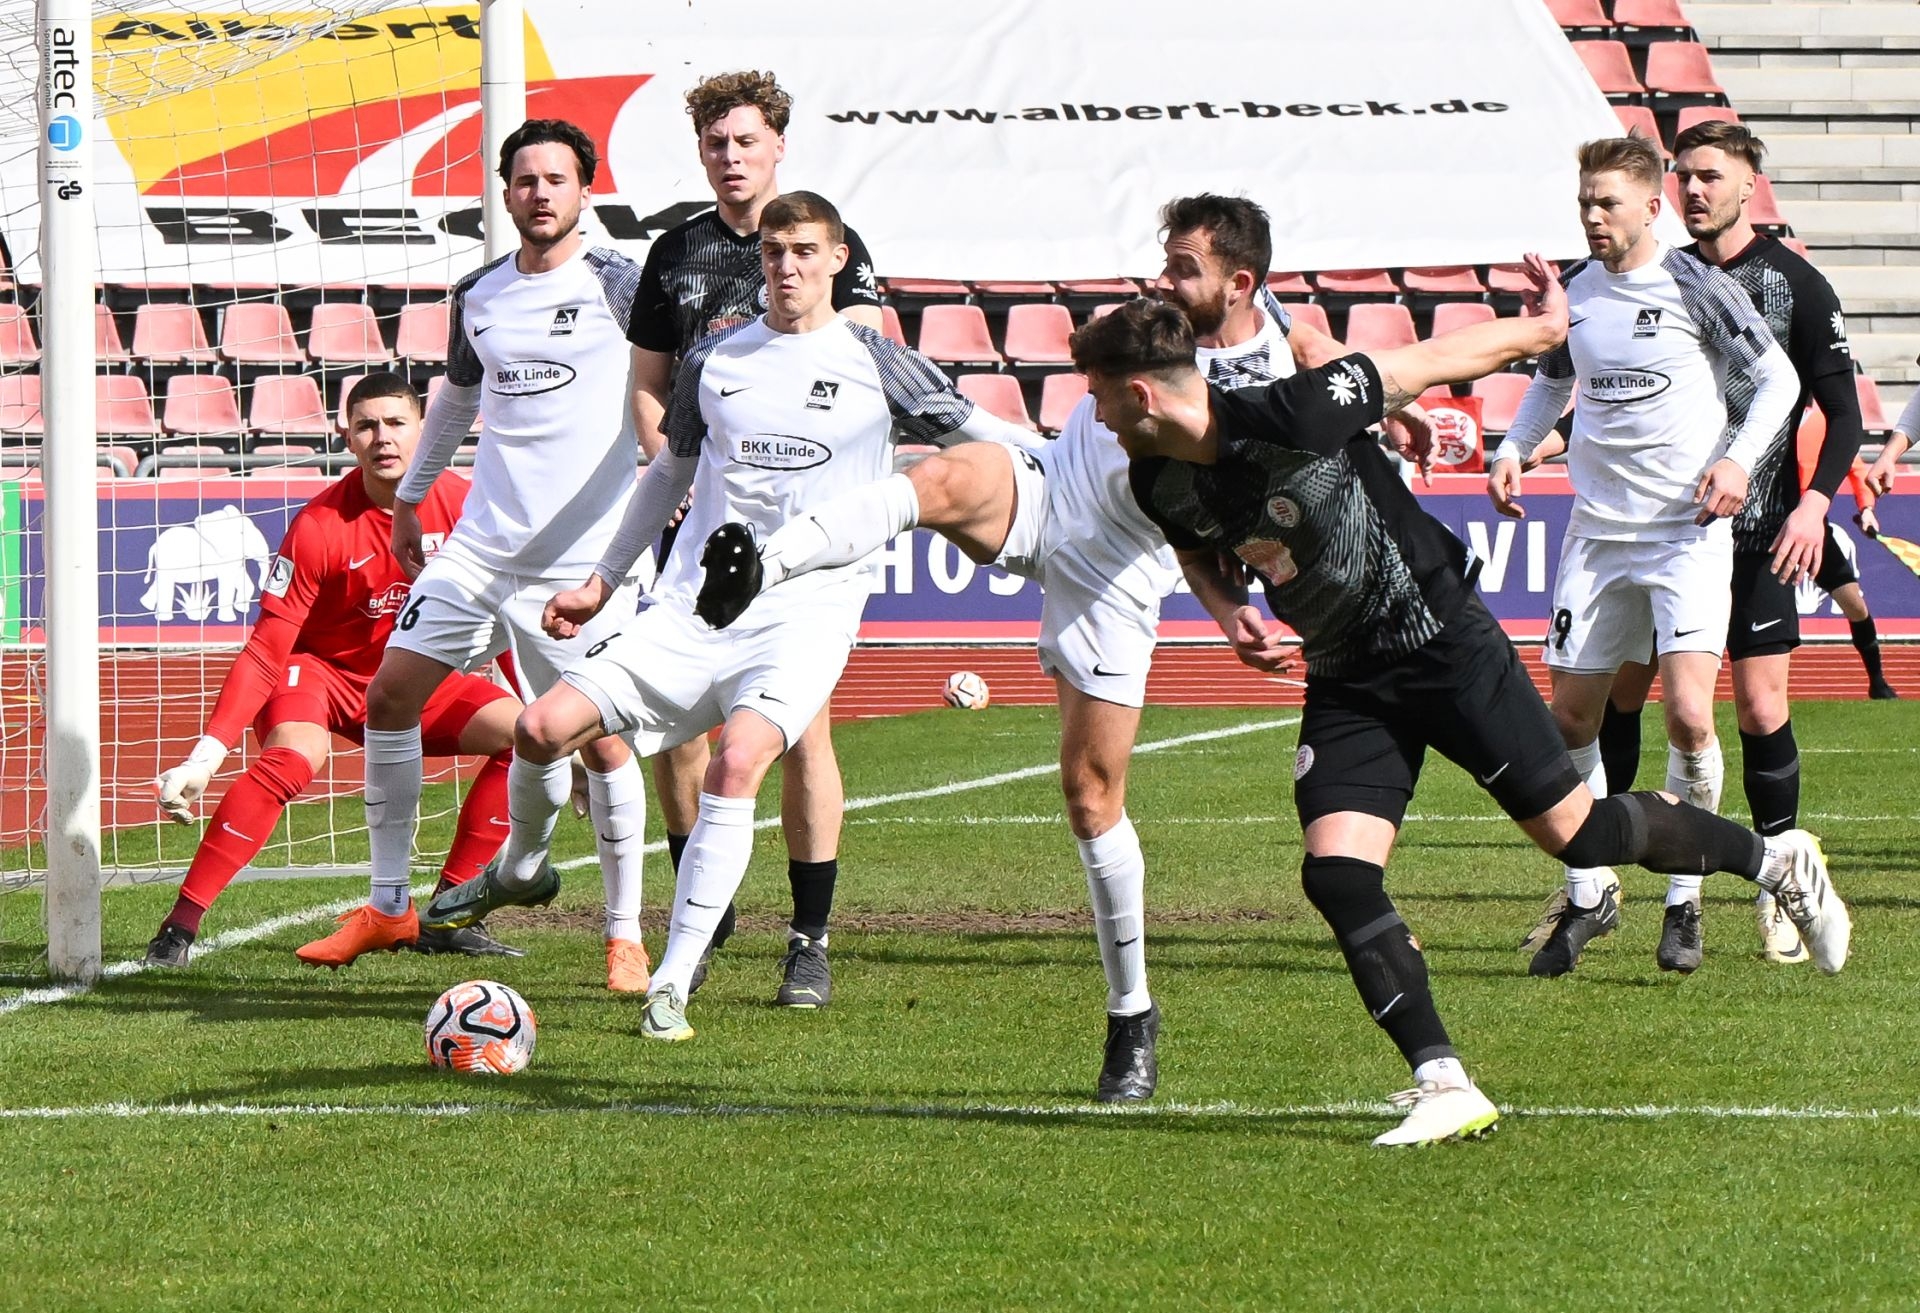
215	1000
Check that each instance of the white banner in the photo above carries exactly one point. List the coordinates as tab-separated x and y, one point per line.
971	139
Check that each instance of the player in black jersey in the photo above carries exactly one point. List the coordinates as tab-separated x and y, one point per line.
1778	536
700	278
1401	653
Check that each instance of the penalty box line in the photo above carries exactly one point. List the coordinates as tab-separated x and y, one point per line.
1355	1109
242	935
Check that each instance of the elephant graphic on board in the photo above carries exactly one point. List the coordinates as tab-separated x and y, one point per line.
208	558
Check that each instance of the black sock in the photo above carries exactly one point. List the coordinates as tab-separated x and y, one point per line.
1866	641
1670	838
812	895
1382	957
1620	747
1770	770
441	885
676	844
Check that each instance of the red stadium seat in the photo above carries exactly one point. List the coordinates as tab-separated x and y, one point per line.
121	461
1313	316
1638	121
1499	398
1106	309
927	289
346	389
1037	334
956	335
1579	15
1763	209
1873	413
122	407
1379	328
1449	315
1663	14
998	394
108	349
289	451
1356	282
17	347
1287	285
20	405
1059	394
171	333
1121	287
1693	114
1010	288
422	333
1681	68
287	404
1610	66
890	325
346	333
200	405
259	333
1459	280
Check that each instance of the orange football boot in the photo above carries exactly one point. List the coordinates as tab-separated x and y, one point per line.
363	930
628	970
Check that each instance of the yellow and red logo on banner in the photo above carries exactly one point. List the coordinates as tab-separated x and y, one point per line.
401	87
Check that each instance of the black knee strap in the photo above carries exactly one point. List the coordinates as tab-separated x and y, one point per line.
1351	895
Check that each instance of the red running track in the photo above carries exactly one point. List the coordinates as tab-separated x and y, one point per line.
154	704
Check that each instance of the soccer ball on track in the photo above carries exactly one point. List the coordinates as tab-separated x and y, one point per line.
967	691
480	1026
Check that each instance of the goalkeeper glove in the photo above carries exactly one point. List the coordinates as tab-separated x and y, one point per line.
180	787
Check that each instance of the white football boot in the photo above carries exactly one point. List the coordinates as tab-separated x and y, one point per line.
1436	1113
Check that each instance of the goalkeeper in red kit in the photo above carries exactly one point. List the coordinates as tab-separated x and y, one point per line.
326	608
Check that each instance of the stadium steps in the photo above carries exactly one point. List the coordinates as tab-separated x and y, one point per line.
1834	90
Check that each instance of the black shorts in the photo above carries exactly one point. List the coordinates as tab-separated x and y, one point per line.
1465	694
1766	616
1837	566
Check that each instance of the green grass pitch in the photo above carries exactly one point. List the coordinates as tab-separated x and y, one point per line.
1748	1137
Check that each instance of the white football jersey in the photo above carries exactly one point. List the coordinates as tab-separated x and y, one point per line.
1105	539
1650	350
783	421
557	452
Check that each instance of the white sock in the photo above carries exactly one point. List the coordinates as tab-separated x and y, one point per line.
1696	777
618	803
1447	1073
1116	886
1585	883
841	530
392	799
710	872
1774	866
1693	777
535	794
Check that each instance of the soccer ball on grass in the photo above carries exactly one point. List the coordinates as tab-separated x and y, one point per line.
967	691
482	1027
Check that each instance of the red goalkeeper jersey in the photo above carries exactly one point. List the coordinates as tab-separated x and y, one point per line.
332	594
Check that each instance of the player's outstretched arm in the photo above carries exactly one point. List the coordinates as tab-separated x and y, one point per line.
1408	429
1479	349
663	486
1906	431
251	679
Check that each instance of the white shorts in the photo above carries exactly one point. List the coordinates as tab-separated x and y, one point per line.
463	613
1612	600
1091	634
668	677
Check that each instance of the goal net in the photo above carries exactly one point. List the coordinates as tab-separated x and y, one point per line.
283	197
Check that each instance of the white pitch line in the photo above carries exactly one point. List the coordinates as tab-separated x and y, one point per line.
1354	1108
1157	822
264	929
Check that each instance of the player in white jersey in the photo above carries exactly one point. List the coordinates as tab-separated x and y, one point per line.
764	418
1062	513
542	336
1906	432
1657	473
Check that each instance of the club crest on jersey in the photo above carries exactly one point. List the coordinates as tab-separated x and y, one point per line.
564	320
1646	323
279	577
1615	386
1346	383
388	601
1303	761
529	378
780	451
1272	560
1283	511
822	394
760	297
